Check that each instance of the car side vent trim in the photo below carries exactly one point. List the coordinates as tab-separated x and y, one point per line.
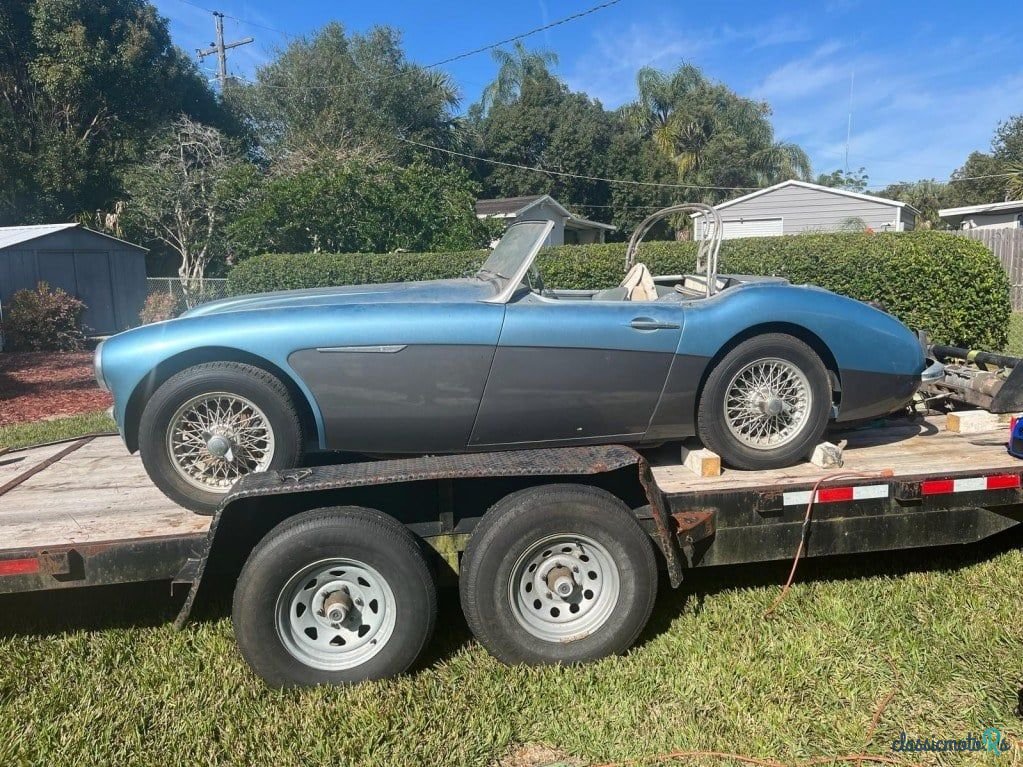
390	349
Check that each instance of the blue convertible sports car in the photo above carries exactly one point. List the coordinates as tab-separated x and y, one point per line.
756	367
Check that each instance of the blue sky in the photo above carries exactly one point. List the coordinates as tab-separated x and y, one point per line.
931	80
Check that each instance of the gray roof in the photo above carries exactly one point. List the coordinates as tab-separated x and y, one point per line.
12	235
15	235
512	207
505	205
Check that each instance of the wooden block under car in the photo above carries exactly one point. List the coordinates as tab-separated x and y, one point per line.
827	455
702	462
972	421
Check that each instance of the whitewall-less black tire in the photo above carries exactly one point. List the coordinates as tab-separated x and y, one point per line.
210	424
558	574
766	404
334	596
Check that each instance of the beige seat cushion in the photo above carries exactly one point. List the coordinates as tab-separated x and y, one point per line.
640	284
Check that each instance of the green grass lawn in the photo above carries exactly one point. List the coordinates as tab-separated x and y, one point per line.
24	434
102	678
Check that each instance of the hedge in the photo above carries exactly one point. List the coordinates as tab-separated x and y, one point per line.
952	286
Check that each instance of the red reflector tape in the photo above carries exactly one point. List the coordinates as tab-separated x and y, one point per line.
19	566
826	494
835	494
937	486
1002	481
969	484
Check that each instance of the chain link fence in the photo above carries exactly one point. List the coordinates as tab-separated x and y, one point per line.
209	289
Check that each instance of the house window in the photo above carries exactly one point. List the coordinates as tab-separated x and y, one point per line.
1019	220
571	237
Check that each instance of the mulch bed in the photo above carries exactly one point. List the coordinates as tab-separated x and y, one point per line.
38	386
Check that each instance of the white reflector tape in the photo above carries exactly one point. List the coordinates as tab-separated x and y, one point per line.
971	483
836	494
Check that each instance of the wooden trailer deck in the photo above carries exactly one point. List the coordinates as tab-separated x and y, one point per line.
906	447
101	493
98	493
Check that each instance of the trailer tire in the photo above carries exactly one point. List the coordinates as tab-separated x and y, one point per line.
768	371
535	542
267	400
358	561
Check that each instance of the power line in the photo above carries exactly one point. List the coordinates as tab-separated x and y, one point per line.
221	48
239	20
523	35
564	174
449	59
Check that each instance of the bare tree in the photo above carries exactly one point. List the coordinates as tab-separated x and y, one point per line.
176	195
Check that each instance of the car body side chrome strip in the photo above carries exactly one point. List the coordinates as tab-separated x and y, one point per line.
388	349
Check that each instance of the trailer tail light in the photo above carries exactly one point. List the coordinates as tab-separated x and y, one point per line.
836	494
969	484
26	566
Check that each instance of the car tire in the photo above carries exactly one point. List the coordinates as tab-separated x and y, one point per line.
376	561
588	536
749	434
270	405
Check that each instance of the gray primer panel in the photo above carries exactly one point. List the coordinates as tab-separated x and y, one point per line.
538	394
675	417
422	399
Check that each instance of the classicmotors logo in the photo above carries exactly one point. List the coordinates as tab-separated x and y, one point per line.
991	740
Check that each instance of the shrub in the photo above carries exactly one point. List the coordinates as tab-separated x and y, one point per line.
160	306
949	285
44	320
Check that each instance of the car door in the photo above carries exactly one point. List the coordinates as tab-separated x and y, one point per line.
576	371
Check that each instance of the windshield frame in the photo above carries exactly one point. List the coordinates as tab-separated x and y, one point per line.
506	286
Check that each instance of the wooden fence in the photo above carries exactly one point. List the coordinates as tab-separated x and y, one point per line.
1007	245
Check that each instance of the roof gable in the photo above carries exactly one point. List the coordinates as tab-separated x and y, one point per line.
506	206
15	235
815	187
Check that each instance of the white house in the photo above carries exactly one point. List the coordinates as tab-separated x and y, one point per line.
792	207
992	215
569	229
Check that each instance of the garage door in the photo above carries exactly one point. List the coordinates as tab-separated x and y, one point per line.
752	227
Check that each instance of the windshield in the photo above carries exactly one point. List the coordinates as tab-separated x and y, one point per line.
509	259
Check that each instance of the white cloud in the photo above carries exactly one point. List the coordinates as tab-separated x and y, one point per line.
607	70
915	115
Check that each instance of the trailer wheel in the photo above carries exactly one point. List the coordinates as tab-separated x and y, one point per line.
558	574
334	596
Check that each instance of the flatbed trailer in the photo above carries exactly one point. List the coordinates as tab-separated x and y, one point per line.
89	516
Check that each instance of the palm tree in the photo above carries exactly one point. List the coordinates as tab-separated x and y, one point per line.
660	114
514	68
1014	187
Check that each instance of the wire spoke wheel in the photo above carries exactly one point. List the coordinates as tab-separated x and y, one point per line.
215	439
767	403
564	587
335	614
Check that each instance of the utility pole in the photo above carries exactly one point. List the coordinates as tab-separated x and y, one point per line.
220	48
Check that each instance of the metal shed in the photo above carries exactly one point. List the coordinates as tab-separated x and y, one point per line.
108	274
793	207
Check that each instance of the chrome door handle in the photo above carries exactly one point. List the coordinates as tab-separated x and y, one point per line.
647	323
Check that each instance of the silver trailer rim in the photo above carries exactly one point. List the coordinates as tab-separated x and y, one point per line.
215	439
564	587
767	403
335	614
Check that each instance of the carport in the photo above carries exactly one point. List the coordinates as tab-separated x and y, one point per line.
108	274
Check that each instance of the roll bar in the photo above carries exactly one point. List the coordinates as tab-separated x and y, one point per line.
707	252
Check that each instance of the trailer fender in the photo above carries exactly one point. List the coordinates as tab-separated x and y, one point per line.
305	487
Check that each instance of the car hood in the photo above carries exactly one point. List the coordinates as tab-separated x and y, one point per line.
433	291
